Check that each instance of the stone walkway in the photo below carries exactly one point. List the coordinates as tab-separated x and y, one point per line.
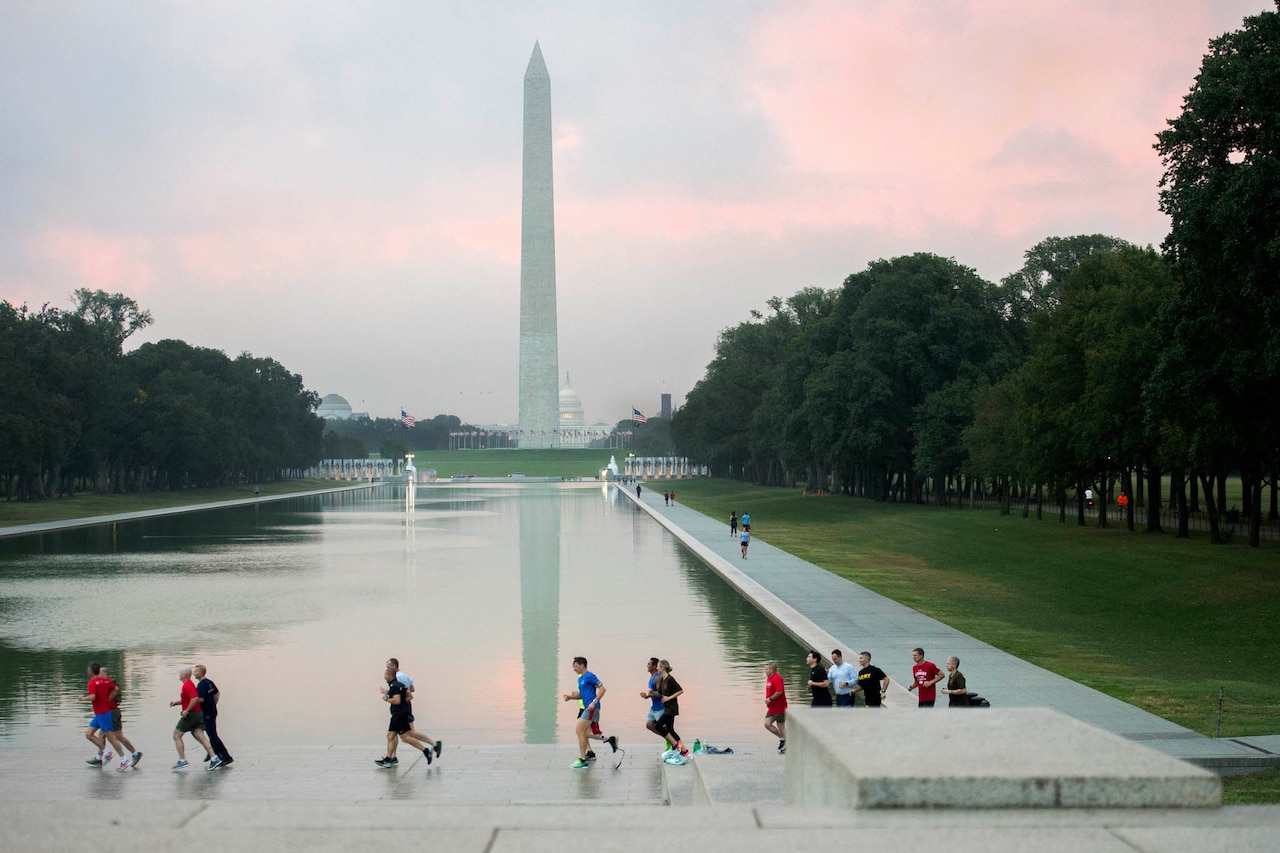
825	611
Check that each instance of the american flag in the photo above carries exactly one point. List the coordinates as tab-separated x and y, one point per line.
638	416
407	419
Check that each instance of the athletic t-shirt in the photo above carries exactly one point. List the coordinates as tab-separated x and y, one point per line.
114	703
208	704
655	702
100	689
668	686
922	672
772	685
821	695
397	688
188	693
869	679
587	684
955	681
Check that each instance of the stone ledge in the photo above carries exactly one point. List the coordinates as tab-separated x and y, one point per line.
995	758
738	778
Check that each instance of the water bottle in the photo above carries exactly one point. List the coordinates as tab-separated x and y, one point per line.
697	745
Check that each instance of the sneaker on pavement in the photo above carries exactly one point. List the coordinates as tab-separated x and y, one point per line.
213	763
179	764
579	764
427	752
612	740
384	762
439	747
93	762
124	765
591	756
107	755
137	756
224	762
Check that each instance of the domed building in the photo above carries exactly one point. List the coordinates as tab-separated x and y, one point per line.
572	420
334	408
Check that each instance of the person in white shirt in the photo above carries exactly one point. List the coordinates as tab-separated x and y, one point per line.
844	678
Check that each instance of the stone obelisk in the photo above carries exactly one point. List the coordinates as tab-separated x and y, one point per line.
539	361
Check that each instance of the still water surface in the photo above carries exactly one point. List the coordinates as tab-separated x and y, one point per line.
485	593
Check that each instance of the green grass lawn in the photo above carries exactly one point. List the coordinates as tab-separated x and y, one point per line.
532	463
1256	790
84	506
1156	621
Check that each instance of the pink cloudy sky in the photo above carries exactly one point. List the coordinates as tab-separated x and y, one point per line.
337	184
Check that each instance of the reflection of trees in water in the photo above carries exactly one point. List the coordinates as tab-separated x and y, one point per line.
39	683
749	637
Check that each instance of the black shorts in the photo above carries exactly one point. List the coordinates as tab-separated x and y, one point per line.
400	723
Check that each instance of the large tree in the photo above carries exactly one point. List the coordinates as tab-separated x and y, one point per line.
1220	375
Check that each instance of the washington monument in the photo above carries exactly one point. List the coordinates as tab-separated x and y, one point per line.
539	360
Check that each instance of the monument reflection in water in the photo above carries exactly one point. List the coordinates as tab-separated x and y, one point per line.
485	593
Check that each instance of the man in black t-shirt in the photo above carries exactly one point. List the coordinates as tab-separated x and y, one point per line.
208	694
397	696
872	681
819	686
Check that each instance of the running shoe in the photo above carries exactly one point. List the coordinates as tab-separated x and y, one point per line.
427	753
226	761
94	762
439	747
206	759
214	763
579	764
107	755
124	765
181	763
612	740
591	756
384	762
394	760
137	756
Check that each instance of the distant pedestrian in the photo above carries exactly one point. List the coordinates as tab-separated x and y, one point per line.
844	678
924	677
958	696
819	685
589	693
670	690
637	491
746	540
190	720
207	693
746	521
673	497
666	499
117	720
872	682
99	693
655	699
733	524
775	705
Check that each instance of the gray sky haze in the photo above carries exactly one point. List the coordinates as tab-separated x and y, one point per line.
336	185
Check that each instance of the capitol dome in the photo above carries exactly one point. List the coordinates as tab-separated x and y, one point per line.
334	408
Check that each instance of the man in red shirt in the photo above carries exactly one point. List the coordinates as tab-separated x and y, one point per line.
117	723
191	719
101	692
924	677
775	705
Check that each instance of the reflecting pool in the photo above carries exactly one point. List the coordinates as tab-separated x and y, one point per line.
484	593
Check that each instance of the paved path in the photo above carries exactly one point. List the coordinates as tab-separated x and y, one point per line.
94	520
825	611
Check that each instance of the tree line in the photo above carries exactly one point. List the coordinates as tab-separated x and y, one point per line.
79	414
1097	363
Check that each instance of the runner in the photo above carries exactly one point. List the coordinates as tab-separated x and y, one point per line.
746	540
655	700
100	728
207	692
775	705
670	691
395	696
189	720
118	721
419	740
589	693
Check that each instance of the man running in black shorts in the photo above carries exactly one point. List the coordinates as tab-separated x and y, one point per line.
396	697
